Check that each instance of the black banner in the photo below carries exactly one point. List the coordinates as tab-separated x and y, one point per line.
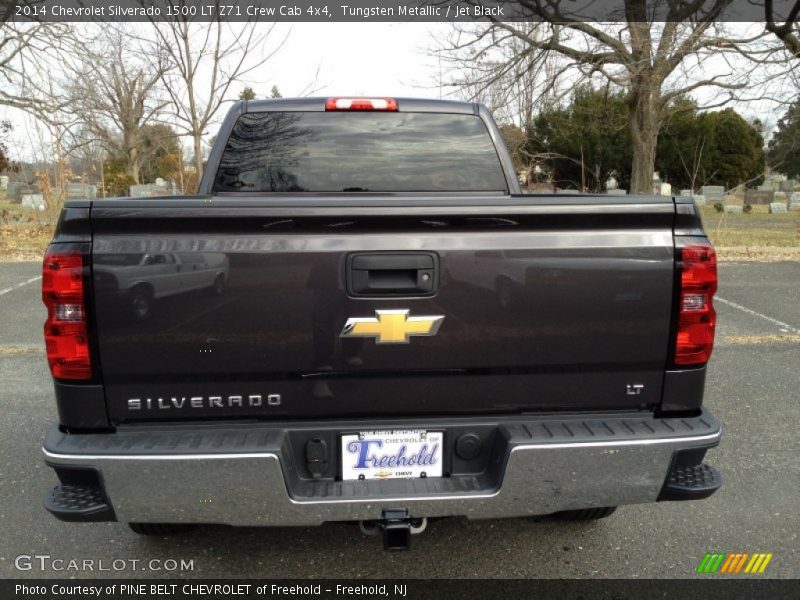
415	589
338	11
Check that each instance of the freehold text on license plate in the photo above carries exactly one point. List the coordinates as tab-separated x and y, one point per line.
392	454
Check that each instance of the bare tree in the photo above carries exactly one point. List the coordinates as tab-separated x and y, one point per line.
653	62
206	59
788	30
511	78
114	96
27	50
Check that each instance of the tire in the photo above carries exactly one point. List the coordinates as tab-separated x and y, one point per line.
586	514
141	303
506	294
218	287
160	528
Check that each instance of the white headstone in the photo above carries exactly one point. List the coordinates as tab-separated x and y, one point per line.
699	199
3	183
33	201
778	207
713	193
733	208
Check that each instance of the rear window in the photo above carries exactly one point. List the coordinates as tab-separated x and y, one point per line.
359	152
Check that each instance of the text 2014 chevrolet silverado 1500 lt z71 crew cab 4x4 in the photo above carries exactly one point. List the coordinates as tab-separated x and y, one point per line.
395	333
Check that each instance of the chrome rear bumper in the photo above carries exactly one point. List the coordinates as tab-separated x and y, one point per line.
249	475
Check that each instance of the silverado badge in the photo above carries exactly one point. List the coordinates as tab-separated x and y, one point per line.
391	326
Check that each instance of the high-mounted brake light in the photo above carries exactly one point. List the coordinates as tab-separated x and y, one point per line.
65	333
385	104
696	318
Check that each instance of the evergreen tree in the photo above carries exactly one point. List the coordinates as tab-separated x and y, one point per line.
247	94
784	148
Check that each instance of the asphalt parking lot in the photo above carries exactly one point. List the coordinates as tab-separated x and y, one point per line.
753	387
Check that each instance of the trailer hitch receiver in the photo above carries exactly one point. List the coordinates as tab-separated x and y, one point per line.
396	526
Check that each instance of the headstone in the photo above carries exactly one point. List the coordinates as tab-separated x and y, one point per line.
787	186
617	192
665	189
687	192
150	190
758	196
81	190
699	199
656	183
794	200
14	191
3	183
778	207
713	193
733	208
33	201
773	181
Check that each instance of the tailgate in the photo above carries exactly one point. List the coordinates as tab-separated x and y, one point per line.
225	309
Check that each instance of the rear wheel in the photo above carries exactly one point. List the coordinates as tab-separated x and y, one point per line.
218	287
141	303
586	514
506	294
160	528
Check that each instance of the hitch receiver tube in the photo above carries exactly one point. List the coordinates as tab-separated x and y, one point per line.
396	526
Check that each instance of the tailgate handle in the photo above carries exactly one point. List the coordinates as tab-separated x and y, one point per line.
392	274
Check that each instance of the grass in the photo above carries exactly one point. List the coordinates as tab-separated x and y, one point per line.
758	235
24	234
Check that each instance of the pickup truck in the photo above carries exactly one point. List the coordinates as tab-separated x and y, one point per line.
141	279
403	335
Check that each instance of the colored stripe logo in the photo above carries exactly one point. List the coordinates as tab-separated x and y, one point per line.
734	562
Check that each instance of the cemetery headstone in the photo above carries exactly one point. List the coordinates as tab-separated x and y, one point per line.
758	196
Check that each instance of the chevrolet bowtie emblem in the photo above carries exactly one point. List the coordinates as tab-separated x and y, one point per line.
391	326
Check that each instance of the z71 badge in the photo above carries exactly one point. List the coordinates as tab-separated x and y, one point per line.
391	326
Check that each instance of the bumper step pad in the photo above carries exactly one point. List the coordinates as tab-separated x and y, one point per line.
78	503
691	483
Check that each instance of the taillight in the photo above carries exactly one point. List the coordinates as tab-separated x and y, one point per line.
65	333
696	316
385	104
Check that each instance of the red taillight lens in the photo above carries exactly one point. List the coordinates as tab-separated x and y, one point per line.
65	334
697	318
384	104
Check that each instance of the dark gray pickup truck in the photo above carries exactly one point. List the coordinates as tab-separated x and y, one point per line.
361	318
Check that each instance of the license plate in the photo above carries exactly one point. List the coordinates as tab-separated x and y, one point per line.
392	454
